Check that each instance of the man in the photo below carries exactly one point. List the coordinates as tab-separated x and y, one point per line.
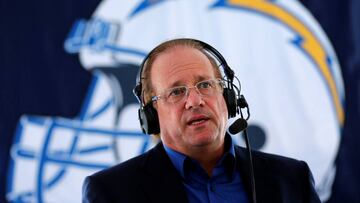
196	161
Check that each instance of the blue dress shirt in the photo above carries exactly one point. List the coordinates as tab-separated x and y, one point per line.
224	185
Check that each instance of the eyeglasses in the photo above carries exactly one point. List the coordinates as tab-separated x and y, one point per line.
203	88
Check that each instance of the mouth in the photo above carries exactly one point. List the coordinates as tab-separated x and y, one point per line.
195	121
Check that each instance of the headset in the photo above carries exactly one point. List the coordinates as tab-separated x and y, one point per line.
147	114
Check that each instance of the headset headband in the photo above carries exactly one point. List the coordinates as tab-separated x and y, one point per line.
229	73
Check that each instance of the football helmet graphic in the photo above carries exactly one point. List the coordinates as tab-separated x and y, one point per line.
288	70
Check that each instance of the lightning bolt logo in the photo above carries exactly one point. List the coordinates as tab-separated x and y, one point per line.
305	40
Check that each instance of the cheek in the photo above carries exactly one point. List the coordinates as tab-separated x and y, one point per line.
168	117
223	111
223	114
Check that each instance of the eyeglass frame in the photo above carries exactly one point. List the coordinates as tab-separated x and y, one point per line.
219	85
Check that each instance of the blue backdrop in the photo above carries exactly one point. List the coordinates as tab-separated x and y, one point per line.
38	77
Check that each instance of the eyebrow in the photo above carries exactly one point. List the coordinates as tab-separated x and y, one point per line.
197	79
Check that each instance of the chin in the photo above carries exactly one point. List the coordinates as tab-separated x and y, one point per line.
203	139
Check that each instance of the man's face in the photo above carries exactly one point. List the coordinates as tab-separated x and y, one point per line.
196	122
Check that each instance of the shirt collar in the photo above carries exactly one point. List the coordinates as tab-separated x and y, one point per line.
228	159
177	158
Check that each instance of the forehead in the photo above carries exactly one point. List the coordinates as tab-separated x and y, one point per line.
181	65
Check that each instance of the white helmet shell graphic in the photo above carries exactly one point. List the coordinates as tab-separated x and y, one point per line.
288	70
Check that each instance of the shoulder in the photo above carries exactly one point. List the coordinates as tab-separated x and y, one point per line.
275	174
280	178
116	183
280	169
273	161
123	171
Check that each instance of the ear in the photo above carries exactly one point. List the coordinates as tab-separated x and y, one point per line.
155	105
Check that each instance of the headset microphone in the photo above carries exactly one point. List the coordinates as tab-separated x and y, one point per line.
239	125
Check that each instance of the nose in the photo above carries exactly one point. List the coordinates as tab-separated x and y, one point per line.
194	99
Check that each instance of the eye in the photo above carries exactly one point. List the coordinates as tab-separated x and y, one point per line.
177	91
205	84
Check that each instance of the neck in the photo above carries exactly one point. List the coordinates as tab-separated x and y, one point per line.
208	158
207	155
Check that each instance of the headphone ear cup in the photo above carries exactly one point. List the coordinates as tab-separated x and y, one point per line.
231	102
149	119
